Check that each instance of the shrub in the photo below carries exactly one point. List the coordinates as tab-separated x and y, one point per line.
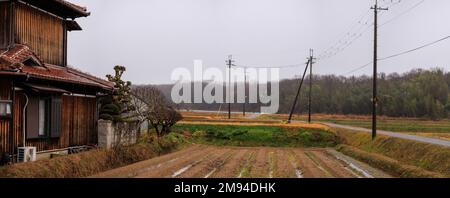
112	109
175	138
306	136
199	134
106	117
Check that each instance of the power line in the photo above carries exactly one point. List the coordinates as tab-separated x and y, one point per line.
391	3
403	13
345	42
348	37
360	67
344	34
415	49
263	67
357	69
399	54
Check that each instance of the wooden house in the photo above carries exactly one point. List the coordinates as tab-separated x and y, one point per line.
44	103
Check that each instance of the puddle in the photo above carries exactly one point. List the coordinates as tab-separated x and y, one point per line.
298	172
355	167
181	171
241	173
210	173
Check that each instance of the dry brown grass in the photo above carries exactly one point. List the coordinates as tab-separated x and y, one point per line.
429	157
442	136
387	164
83	164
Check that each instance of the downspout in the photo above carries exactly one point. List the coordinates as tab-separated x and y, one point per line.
24	120
12	23
65	44
11	125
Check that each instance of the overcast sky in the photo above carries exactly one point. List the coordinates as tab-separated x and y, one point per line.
153	37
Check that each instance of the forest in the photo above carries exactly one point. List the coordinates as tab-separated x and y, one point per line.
417	93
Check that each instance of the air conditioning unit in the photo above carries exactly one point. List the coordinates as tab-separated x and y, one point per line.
26	154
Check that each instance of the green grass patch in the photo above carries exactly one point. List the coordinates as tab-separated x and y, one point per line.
271	136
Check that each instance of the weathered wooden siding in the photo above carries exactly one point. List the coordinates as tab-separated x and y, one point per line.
79	124
4	34
80	120
5	94
43	32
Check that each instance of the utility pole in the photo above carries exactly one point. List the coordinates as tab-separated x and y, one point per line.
311	62
245	92
375	72
229	64
298	92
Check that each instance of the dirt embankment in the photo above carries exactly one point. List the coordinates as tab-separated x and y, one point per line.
405	158
84	164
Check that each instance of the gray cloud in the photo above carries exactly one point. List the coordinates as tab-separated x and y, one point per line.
152	37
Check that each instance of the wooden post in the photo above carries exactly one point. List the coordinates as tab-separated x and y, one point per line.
375	72
311	62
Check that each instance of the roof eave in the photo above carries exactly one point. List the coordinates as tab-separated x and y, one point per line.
60	8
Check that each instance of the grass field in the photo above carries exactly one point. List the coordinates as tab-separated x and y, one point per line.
273	136
427	128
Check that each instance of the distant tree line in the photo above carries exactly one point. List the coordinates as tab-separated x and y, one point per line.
418	93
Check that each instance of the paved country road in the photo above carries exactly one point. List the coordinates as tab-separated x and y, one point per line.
394	134
201	161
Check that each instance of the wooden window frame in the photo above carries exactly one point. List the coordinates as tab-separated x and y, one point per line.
10	104
47	111
49	116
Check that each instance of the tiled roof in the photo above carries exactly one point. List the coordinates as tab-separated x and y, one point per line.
18	54
12	61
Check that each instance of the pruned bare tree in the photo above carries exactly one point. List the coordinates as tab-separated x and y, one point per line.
155	109
139	113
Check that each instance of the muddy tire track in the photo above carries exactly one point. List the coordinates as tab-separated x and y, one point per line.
232	167
283	167
309	167
206	166
333	166
261	166
247	164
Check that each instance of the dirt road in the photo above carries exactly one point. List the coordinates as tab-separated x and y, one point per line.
200	161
